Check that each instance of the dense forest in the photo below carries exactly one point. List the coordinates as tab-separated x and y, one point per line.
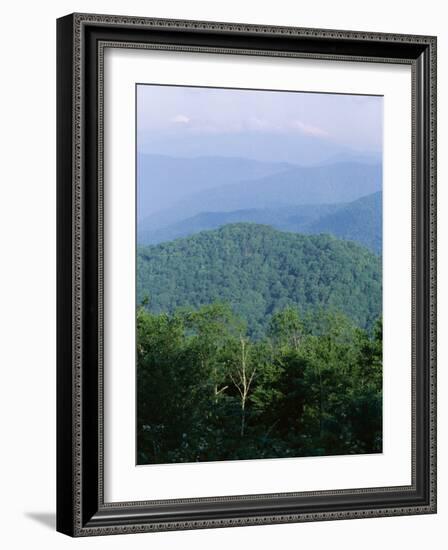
258	271
312	385
256	343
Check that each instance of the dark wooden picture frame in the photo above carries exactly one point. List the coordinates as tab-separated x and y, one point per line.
81	509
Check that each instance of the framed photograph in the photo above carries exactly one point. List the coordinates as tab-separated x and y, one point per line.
246	274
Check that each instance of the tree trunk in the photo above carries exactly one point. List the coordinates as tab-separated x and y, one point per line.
243	417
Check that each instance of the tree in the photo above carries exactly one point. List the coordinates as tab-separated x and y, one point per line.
286	328
208	391
242	372
211	327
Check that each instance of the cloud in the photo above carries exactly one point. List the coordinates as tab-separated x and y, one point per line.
216	125
180	119
257	123
308	129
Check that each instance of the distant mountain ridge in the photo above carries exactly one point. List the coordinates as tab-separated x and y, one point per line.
295	147
259	270
317	185
359	221
288	218
163	180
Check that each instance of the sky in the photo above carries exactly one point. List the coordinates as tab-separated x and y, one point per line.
194	121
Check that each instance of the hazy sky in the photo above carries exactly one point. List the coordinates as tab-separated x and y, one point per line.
170	117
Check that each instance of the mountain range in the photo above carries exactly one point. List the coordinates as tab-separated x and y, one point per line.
164	180
295	147
359	220
178	195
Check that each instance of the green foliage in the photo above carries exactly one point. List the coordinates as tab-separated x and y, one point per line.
208	391
259	271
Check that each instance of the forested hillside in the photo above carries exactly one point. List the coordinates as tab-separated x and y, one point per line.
258	271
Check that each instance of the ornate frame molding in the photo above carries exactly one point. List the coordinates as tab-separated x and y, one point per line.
82	511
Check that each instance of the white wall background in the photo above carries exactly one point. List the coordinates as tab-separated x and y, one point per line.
27	274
